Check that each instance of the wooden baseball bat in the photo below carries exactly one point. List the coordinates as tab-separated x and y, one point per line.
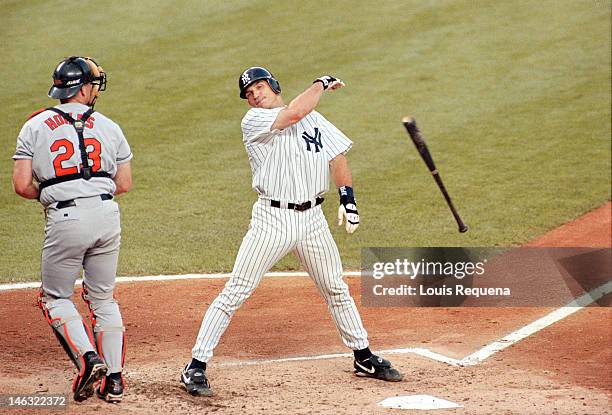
419	142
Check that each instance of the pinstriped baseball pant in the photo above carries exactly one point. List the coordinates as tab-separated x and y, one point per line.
273	233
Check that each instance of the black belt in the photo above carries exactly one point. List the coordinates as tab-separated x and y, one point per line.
300	207
70	203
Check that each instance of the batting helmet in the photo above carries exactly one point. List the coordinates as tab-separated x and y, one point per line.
74	72
256	73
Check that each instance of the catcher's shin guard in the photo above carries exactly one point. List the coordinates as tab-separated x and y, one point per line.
109	332
68	326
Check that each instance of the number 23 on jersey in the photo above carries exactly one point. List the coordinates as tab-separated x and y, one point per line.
66	151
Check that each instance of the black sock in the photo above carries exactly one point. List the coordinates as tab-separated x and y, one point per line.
362	354
196	364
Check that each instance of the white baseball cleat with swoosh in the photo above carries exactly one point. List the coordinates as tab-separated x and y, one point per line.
370	370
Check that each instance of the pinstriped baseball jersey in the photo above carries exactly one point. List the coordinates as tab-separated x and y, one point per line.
291	164
53	146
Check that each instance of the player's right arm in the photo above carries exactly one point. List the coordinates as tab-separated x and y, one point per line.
23	173
306	102
22	179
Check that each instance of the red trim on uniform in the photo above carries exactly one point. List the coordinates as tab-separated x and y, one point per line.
35	113
45	310
46	314
102	383
123	352
80	375
89	334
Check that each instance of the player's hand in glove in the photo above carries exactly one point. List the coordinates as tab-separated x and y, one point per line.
329	82
348	209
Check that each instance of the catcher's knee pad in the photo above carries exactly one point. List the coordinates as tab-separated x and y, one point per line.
108	329
68	326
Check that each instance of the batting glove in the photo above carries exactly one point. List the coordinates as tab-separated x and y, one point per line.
330	82
348	209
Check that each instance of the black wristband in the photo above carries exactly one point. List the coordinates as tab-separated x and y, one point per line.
346	191
326	80
322	83
346	195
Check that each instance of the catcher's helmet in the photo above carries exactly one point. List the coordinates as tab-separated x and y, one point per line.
253	74
74	72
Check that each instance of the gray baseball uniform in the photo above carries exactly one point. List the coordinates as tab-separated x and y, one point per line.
289	166
82	228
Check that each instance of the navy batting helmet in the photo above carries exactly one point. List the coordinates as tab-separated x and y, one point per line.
74	72
253	74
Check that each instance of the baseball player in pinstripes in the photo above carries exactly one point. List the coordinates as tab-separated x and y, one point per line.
73	160
292	150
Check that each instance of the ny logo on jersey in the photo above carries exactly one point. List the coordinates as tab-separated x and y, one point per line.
245	78
315	139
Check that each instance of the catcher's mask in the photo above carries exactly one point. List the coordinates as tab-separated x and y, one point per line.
74	72
255	74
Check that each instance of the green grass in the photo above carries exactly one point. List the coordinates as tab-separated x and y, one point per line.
513	98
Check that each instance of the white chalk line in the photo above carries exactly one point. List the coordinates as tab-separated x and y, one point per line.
36	284
549	319
478	356
473	359
418	351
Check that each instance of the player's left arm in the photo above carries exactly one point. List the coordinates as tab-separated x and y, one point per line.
123	175
123	178
23	183
343	179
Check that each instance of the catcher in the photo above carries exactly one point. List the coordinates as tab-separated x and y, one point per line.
74	160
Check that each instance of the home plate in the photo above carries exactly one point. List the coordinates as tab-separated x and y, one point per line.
424	402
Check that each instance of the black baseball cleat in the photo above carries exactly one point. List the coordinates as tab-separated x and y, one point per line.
377	367
194	381
92	371
111	389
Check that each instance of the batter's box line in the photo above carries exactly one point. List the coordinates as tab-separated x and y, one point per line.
476	357
36	284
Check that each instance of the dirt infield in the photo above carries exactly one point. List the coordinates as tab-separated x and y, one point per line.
592	229
564	369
